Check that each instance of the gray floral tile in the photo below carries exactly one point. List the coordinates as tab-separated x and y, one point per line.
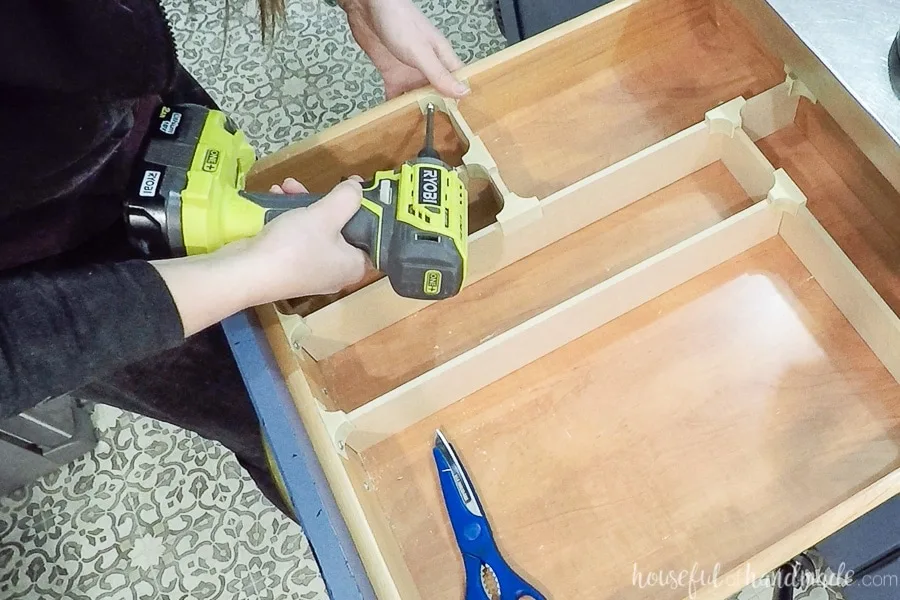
311	74
154	512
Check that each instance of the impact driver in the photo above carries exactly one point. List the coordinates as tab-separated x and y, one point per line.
188	197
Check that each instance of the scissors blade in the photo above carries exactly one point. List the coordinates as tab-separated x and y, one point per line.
463	485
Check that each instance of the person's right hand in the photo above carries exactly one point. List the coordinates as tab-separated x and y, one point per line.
302	252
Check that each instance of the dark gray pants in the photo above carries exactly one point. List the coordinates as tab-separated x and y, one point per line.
198	387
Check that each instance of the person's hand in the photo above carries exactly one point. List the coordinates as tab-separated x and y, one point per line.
299	253
405	47
302	252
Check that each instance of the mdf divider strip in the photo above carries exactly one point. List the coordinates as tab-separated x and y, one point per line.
748	165
377	306
850	291
773	109
565	322
531	225
799	540
744	123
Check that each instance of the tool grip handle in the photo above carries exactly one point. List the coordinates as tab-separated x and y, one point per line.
511	585
276	204
360	231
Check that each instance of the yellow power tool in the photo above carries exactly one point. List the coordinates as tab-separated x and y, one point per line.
188	198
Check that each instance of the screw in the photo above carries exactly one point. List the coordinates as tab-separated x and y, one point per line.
296	346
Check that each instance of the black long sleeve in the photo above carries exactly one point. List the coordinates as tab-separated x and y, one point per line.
58	330
79	83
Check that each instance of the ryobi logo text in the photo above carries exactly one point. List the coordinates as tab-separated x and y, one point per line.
429	186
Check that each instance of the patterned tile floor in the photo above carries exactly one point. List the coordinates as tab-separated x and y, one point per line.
154	512
160	513
311	75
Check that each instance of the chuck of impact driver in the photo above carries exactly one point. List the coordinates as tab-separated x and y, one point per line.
187	197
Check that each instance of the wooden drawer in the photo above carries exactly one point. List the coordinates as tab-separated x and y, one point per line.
677	348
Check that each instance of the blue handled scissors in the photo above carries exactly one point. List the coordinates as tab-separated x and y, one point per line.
488	577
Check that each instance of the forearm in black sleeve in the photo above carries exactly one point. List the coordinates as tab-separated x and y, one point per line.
60	330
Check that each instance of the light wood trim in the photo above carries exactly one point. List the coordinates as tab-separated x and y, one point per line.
850	291
392	565
558	326
334	467
377	306
800	540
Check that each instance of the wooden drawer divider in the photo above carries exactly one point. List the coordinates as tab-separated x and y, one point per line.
525	225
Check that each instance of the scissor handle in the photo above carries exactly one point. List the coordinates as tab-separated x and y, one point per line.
512	587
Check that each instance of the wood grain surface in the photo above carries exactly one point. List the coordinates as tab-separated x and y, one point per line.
626	81
695	430
846	194
493	305
599	94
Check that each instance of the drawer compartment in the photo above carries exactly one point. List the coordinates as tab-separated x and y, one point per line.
612	87
672	437
677	429
615	86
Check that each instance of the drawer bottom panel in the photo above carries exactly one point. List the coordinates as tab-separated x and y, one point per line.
688	434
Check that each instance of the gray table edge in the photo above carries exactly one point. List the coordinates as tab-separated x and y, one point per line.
313	501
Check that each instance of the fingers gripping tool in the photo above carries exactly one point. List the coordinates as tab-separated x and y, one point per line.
188	198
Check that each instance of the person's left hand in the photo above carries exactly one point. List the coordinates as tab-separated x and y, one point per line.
404	46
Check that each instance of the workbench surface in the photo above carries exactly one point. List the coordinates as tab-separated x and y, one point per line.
852	39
